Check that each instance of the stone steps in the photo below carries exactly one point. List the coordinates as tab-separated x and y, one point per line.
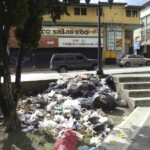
134	88
139	77
136	85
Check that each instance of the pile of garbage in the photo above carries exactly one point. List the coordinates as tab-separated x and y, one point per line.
74	108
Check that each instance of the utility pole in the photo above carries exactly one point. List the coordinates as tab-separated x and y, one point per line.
100	50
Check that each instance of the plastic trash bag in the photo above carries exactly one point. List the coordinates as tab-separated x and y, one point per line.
83	148
68	142
110	82
104	100
31	127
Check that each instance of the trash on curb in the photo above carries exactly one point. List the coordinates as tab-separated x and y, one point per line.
73	106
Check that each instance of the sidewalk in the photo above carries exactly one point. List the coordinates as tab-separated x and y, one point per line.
108	69
28	69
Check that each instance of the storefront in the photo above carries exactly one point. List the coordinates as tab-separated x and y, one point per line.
61	40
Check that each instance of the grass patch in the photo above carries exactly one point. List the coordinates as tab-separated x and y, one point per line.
44	137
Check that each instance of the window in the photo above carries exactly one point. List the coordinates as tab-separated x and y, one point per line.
80	11
69	57
76	11
79	57
143	21
148	20
128	13
114	38
59	57
134	13
138	56
131	56
131	13
128	34
83	11
148	34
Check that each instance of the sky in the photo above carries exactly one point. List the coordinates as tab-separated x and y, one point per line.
130	2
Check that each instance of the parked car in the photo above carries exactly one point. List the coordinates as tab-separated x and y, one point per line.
129	60
63	62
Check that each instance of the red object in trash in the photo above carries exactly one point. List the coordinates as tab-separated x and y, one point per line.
69	142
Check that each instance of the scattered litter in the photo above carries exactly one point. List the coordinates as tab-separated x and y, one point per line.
121	135
31	127
74	108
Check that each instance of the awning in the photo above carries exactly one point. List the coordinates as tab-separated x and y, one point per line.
132	26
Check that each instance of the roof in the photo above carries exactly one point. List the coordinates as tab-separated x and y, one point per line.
102	4
133	7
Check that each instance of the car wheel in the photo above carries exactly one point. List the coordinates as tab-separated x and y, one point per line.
62	69
127	64
148	63
94	67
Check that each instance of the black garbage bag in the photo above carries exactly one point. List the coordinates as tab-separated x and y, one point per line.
86	103
110	82
51	86
99	127
104	101
94	119
74	89
75	113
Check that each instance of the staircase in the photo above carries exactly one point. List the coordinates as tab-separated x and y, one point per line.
134	88
134	131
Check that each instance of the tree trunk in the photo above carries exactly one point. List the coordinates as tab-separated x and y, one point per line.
18	74
7	103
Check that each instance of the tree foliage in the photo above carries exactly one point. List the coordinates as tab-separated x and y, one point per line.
26	17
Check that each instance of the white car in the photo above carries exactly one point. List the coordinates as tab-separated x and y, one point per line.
129	60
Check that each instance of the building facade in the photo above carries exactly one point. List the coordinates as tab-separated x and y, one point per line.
145	30
79	33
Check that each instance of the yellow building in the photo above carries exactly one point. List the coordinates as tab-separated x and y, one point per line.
80	29
79	32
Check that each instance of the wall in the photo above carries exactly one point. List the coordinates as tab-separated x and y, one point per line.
106	17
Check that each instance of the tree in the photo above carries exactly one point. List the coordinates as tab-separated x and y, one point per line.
26	17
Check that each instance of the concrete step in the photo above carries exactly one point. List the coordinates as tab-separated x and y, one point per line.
132	78
140	101
134	88
136	85
132	133
139	93
135	98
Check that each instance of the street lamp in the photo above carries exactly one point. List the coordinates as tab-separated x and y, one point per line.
100	51
113	29
112	19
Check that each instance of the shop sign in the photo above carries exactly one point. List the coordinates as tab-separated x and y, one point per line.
47	42
71	31
118	42
137	45
79	42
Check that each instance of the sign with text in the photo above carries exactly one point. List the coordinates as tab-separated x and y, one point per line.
71	31
79	42
47	42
